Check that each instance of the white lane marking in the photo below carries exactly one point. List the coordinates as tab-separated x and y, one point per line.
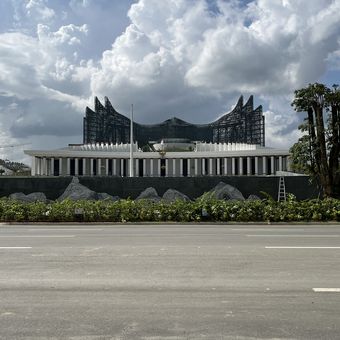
290	247
65	229
36	236
297	235
326	290
267	229
15	247
174	235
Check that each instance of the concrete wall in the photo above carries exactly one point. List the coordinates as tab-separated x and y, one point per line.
53	187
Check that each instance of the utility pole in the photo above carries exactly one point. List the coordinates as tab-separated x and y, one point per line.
131	142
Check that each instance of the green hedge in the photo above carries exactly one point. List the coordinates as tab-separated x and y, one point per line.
204	209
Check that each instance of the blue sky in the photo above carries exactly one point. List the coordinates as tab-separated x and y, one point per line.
186	58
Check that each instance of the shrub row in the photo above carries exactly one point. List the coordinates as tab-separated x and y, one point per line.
143	211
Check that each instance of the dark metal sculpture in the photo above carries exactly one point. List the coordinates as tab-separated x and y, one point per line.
242	125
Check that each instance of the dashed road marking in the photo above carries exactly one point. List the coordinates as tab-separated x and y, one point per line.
326	290
293	247
36	236
291	235
15	247
267	229
65	229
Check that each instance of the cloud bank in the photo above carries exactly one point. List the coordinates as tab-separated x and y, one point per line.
189	58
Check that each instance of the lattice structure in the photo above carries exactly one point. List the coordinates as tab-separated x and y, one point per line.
242	125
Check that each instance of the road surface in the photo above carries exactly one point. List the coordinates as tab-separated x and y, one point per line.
169	282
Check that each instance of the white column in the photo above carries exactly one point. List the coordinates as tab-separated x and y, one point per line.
280	163
240	166
136	160
84	167
128	167
52	166
60	166
166	168
189	167
158	167
99	166
40	166
196	166
68	166
144	167
37	165
121	167
151	167
114	167
264	165
33	166
211	166
174	167
203	166
91	166
44	166
181	167
272	163
256	165
249	166
218	166
225	166
76	166
233	166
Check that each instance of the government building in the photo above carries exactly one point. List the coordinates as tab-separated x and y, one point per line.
232	145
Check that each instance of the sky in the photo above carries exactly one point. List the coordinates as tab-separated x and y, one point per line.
186	58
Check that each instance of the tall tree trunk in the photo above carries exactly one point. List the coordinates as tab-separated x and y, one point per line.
321	142
315	156
334	153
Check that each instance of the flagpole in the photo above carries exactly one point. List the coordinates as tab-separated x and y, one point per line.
131	142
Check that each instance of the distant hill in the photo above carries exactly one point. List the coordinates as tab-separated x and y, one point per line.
8	167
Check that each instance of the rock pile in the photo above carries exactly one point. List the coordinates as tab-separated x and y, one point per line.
76	191
172	195
149	194
33	197
223	191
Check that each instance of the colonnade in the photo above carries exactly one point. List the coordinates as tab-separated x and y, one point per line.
160	167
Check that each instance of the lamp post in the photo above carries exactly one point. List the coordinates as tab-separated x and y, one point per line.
131	142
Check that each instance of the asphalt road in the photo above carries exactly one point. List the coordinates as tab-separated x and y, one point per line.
169	282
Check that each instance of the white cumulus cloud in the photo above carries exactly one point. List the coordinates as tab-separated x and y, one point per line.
189	58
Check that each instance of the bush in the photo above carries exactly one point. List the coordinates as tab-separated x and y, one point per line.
205	208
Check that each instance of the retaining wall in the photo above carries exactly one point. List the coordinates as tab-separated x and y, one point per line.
193	187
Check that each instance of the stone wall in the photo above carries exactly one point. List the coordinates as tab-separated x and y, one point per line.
193	187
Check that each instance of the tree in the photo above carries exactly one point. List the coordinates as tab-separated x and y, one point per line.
317	153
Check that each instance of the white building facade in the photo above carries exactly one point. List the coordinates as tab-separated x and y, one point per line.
114	160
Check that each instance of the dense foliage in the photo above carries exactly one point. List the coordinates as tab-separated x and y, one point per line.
317	153
206	209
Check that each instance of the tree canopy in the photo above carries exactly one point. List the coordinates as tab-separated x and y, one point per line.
317	152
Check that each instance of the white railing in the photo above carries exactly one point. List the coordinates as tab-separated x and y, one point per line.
106	147
201	147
